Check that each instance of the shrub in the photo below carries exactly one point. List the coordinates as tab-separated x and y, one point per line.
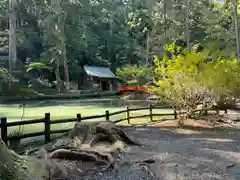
188	79
133	74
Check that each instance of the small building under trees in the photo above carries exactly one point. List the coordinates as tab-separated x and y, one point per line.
100	76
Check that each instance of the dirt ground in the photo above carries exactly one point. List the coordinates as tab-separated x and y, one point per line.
195	152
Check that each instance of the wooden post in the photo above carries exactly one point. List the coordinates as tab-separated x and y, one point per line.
4	130
128	115
107	116
79	118
150	112
47	128
205	112
225	111
217	111
175	114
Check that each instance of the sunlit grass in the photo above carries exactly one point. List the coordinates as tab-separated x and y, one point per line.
65	111
14	113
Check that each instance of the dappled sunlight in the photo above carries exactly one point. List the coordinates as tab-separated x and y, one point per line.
145	87
212	139
196	156
57	112
223	154
135	121
30	128
186	131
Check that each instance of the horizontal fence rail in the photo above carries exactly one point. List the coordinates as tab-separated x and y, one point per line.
47	132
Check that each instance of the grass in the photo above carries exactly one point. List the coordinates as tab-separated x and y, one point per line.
67	110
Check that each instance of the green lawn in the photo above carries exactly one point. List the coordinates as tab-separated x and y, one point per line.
66	110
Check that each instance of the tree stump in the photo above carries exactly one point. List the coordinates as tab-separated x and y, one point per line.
98	144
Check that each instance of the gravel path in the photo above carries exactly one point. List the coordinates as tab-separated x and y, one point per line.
198	155
180	155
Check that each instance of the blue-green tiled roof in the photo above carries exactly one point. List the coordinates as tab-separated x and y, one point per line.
98	71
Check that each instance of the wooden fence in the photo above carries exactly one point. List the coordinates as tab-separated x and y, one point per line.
47	122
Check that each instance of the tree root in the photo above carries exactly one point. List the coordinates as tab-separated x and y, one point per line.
118	134
99	144
82	155
75	155
16	167
127	138
102	138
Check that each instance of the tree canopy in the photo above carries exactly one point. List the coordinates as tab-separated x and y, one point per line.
66	35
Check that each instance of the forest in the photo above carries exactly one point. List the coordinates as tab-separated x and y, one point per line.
64	35
184	52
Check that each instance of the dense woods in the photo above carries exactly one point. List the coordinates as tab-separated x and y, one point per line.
63	36
186	52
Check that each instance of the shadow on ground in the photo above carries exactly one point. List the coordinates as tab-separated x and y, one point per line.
189	153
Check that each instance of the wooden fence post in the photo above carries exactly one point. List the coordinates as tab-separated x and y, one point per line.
107	116
175	114
47	128
205	110
150	112
217	111
79	118
225	111
128	115
4	132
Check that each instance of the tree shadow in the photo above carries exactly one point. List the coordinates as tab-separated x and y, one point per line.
202	154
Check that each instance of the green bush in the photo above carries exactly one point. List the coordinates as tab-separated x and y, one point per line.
189	79
137	75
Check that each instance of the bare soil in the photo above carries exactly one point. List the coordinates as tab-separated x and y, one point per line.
196	151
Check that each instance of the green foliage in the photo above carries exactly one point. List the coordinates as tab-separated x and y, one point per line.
135	74
190	79
5	76
223	77
37	65
112	33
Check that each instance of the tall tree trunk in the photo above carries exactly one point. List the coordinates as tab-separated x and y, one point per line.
12	35
12	40
65	60
235	16
109	43
58	78
59	37
165	20
187	25
147	48
66	72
